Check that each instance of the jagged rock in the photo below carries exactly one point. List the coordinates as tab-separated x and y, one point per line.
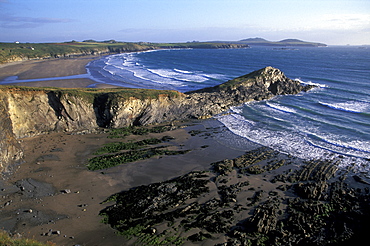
318	208
264	218
312	190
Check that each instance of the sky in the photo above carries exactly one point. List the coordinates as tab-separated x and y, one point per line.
334	22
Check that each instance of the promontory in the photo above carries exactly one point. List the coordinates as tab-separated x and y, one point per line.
26	112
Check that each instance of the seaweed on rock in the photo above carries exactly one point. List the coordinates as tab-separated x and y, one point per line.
305	203
107	161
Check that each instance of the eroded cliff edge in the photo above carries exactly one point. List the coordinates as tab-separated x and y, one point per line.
26	112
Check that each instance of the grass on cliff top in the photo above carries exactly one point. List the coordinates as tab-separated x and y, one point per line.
6	240
89	94
10	51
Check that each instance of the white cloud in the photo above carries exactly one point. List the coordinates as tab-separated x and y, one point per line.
11	21
345	21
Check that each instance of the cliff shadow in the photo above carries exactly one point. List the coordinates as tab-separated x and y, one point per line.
101	107
57	106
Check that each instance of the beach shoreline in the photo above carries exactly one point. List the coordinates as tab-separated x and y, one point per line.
50	68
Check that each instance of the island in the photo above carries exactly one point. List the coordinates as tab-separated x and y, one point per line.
283	43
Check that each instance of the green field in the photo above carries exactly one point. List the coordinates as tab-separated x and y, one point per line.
25	51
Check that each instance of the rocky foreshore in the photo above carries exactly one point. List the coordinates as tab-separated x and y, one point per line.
260	198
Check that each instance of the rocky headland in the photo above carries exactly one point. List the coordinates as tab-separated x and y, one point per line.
27	112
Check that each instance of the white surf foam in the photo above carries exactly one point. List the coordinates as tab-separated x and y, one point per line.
349	106
280	107
182	71
293	142
171	74
310	83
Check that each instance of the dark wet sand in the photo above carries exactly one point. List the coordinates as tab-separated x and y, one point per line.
59	159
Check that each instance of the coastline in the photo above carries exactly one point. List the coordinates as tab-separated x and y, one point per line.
49	68
54	197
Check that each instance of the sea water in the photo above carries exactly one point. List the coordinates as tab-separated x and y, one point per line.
330	121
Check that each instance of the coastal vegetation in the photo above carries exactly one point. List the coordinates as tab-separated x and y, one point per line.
27	51
107	161
117	153
10	52
118	146
7	240
89	94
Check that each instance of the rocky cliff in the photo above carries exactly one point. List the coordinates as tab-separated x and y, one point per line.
26	112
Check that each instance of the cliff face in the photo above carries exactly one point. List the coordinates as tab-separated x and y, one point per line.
31	112
10	149
38	112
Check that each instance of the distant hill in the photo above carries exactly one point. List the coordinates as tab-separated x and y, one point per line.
285	42
254	40
10	52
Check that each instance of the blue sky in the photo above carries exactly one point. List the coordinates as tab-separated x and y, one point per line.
335	22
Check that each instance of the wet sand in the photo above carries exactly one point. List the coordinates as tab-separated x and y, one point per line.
71	207
40	69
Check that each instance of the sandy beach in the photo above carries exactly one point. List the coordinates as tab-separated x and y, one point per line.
40	69
65	196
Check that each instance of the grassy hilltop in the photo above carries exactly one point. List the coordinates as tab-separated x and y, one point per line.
10	52
26	51
285	42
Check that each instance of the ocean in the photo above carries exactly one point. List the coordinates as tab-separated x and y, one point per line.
331	121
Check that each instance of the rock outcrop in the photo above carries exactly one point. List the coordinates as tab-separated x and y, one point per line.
26	112
284	203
